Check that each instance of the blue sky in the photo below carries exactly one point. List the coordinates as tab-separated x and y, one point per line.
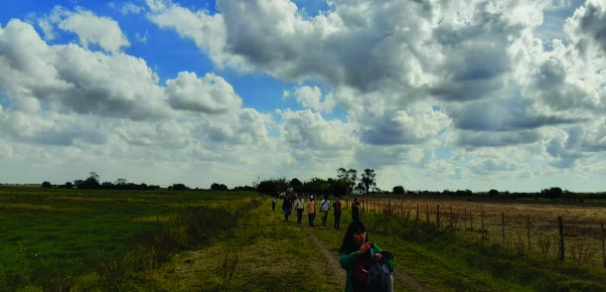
431	94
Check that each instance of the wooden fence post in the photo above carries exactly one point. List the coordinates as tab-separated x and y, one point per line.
528	229
561	231
438	217
471	220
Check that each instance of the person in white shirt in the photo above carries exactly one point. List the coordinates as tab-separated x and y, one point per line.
324	207
299	205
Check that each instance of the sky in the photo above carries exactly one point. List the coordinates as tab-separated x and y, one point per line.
431	94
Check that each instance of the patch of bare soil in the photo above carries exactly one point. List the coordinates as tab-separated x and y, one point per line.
332	259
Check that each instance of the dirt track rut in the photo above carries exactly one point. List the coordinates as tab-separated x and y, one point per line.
332	258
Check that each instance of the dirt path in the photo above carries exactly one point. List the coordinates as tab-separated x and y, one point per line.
340	273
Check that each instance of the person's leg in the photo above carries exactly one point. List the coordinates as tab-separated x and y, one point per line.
310	219
273	206
313	217
337	219
299	215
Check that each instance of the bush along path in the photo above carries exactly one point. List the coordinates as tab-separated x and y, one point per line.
263	253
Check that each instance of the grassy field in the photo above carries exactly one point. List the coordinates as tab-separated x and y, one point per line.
61	234
525	227
264	253
60	240
469	255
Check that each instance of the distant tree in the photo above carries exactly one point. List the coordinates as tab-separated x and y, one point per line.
349	177
218	187
92	182
108	185
368	179
282	184
268	187
78	182
316	186
178	187
295	184
244	188
552	193
337	187
68	185
121	181
398	190
493	193
47	185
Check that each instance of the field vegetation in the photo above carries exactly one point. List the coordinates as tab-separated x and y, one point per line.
58	239
471	254
160	240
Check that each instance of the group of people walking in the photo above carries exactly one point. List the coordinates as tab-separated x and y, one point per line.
292	201
357	253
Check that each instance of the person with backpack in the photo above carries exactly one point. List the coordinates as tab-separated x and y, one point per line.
324	207
299	205
337	207
311	210
286	206
368	267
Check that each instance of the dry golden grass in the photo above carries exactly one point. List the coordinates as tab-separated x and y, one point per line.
31	207
153	219
94	199
528	227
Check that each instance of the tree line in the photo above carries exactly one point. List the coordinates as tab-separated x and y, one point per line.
346	182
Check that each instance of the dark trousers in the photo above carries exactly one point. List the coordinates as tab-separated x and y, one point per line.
286	214
311	216
273	206
355	215
299	215
337	219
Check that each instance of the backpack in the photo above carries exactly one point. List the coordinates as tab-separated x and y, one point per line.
380	279
337	206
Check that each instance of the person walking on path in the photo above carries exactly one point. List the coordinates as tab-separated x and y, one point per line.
337	207
299	205
286	206
274	200
356	256
324	207
311	210
355	210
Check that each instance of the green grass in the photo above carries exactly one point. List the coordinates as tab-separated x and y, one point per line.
59	233
55	240
446	263
269	255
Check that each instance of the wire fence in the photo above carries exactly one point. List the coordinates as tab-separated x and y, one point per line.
566	233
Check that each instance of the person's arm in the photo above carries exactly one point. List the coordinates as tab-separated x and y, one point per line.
389	263
347	260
